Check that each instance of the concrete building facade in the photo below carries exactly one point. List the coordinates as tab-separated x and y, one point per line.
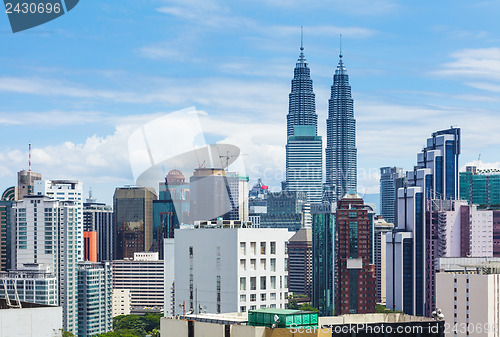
230	268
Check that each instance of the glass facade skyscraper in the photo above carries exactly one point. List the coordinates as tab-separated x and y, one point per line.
304	147
341	162
391	178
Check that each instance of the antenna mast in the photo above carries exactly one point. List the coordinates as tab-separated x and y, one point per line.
29	157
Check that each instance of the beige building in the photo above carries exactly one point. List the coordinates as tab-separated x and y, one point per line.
381	228
143	276
121	302
468	294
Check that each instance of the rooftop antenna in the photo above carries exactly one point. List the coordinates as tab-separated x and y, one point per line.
340	46
301	37
29	157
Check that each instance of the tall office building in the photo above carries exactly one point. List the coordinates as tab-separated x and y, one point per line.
304	158
47	233
171	209
381	228
391	178
341	162
133	220
481	187
355	282
95	298
210	195
7	235
238	185
323	292
414	246
98	217
285	209
26	183
300	262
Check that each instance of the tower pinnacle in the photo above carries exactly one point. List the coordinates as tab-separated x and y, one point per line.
340	55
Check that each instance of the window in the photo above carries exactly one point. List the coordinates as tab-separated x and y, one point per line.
253	283
262	297
243	248
243	298
253	297
263	264
263	283
273	248
252	248
273	264
253	264
263	248
253	307
273	282
243	264
243	283
286	264
272	296
243	309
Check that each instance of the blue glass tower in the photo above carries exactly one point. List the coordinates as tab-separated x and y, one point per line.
341	150
304	147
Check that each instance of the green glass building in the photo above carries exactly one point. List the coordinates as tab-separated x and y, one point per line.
323	244
480	187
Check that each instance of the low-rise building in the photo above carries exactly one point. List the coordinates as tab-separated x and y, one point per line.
121	302
143	276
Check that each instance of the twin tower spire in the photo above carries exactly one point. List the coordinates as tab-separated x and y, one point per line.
304	146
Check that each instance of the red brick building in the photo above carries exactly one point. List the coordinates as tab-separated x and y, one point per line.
355	282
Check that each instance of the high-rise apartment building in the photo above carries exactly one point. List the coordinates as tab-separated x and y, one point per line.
323	292
341	153
230	267
90	246
98	217
355	282
143	276
65	190
481	187
414	246
133	220
304	158
300	262
47	233
94	298
391	178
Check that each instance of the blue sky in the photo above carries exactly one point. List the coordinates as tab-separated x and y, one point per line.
78	86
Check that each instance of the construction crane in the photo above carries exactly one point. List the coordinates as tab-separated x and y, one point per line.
227	157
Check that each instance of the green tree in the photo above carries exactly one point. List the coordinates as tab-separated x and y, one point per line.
308	307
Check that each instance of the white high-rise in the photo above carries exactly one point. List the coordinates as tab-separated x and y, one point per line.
47	233
65	190
227	268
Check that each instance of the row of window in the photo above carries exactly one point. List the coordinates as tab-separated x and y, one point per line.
263	282
253	248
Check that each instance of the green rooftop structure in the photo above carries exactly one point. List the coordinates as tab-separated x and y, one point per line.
282	318
480	187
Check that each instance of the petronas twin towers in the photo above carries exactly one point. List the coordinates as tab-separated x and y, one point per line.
304	146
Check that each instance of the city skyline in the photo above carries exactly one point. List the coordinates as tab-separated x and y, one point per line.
78	86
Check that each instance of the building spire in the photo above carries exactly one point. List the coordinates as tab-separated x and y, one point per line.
302	58
301	37
340	55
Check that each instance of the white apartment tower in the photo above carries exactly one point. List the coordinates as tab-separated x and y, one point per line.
47	233
227	268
